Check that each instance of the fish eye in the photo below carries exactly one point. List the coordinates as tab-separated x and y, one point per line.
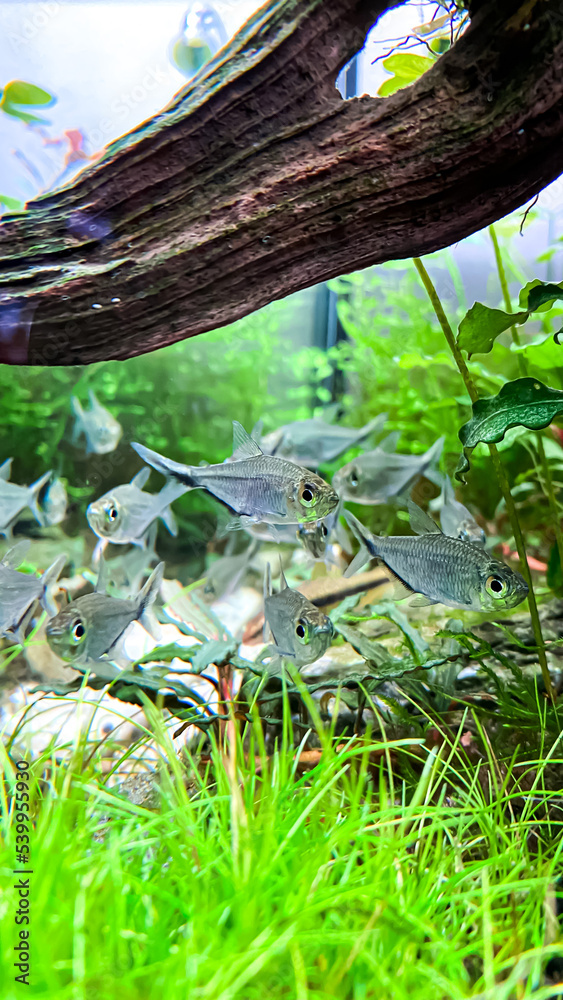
78	631
495	586
302	631
308	494
353	478
111	512
324	530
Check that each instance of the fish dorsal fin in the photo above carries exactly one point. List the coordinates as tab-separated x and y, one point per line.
15	556
389	443
141	477
421	522
243	445
267	581
5	469
448	490
103	577
94	401
76	406
258	430
283	581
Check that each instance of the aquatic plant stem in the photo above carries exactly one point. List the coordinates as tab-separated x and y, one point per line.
546	482
499	470
504	289
547	486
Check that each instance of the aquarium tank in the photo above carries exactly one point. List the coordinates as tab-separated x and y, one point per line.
281	498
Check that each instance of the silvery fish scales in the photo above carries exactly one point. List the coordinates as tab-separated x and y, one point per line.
89	627
301	632
444	570
377	476
100	429
255	487
314	442
124	514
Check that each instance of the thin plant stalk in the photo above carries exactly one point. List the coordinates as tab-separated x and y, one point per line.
547	486
504	289
546	482
499	470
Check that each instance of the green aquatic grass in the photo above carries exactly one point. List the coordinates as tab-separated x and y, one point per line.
390	869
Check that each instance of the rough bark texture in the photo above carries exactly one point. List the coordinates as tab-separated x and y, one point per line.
259	180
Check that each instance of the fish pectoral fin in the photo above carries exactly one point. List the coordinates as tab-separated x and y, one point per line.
421	522
243	444
420	601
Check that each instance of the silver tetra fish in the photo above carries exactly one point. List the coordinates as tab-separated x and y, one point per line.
300	631
377	476
14	498
124	514
442	569
456	520
254	486
20	591
126	571
100	429
314	442
89	627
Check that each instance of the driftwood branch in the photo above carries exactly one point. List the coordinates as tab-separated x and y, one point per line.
259	180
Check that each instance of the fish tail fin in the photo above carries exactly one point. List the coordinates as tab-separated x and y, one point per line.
16	555
432	458
375	424
368	544
435	451
50	576
170	469
146	598
34	491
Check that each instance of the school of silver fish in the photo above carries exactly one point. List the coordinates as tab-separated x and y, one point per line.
270	487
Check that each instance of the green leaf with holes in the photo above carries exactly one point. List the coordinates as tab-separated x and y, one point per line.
405	69
526	402
481	326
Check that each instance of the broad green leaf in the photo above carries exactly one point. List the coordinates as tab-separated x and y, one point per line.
481	326
538	293
200	656
11	204
405	69
526	402
19	92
